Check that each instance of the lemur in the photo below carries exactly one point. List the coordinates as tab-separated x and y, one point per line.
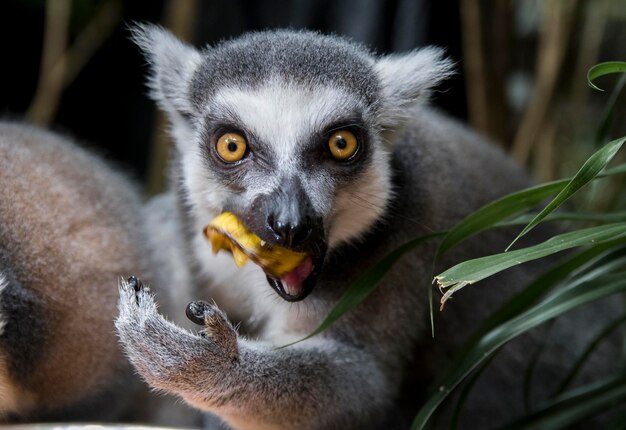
317	145
70	225
322	147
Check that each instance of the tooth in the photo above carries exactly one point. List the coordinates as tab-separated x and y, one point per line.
216	243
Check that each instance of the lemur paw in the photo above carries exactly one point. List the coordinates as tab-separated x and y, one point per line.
164	354
216	325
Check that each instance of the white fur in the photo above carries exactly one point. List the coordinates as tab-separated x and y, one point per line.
174	64
284	114
364	202
407	79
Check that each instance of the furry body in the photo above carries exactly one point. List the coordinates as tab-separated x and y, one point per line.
351	375
69	225
416	172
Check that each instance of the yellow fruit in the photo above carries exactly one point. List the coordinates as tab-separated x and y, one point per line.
228	233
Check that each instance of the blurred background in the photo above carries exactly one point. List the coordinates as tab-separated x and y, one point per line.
69	65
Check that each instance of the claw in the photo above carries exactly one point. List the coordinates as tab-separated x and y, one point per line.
134	283
196	310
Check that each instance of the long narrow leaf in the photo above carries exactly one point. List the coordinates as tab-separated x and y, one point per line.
617	216
365	284
508	206
499	210
472	271
582	403
607	115
611	262
620	168
532	365
602	69
582	294
561	272
465	392
592	167
582	359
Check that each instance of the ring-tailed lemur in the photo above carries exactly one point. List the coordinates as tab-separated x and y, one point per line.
69	227
322	147
315	144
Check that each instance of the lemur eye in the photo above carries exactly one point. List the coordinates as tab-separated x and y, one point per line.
342	145
231	147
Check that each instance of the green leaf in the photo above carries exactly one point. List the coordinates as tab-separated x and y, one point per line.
565	270
499	210
545	310
577	405
604	69
365	284
472	271
532	364
607	264
571	267
465	392
506	207
592	167
617	216
620	168
596	341
607	115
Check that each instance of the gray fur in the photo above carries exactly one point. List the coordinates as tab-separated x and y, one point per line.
169	83
70	225
306	59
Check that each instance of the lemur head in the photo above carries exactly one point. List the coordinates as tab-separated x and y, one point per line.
288	130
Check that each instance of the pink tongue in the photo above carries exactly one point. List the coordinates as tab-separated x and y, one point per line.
292	281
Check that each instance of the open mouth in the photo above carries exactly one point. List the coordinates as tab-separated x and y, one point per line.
298	283
291	273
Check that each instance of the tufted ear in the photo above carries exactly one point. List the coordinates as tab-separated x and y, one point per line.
408	79
172	65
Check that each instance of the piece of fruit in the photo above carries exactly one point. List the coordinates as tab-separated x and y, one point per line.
227	232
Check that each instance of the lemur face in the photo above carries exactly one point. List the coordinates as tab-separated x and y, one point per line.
287	132
285	129
303	167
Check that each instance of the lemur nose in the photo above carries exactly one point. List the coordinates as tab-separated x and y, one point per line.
290	234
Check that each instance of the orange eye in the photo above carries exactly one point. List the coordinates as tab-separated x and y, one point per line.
343	145
231	147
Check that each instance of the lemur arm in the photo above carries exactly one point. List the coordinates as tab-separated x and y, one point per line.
318	384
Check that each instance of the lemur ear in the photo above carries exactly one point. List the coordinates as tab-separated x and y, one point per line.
172	62
408	79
